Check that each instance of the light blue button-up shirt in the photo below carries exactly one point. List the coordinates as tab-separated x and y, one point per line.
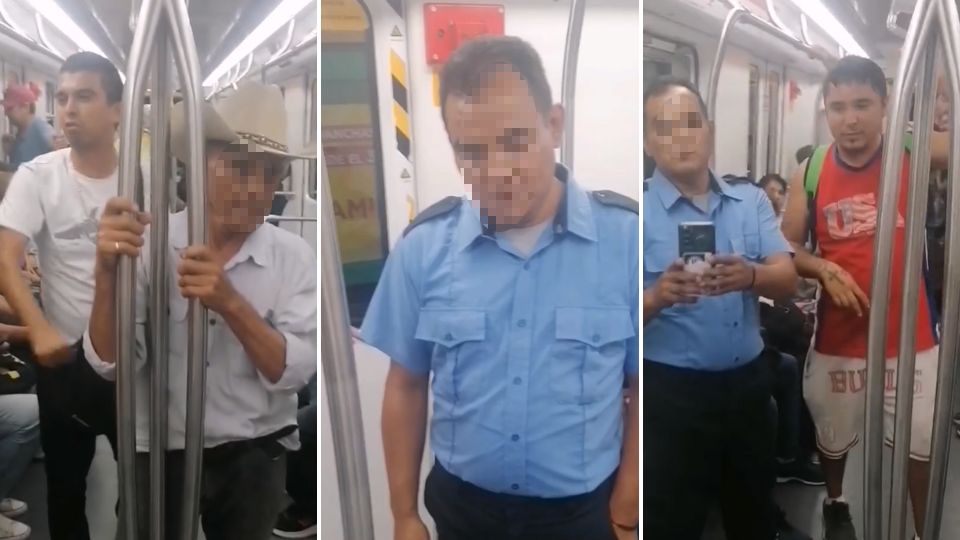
528	355
716	333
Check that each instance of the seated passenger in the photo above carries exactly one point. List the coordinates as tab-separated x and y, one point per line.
34	135
259	285
19	441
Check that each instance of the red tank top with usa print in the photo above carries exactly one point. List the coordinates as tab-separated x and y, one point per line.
846	225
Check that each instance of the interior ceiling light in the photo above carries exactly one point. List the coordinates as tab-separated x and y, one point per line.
281	15
62	22
823	17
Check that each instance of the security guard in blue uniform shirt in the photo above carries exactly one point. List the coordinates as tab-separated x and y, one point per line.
522	302
707	430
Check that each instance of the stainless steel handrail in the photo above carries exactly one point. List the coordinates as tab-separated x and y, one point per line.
912	268
296	219
918	36
130	125
950	340
734	16
188	64
568	89
161	93
340	381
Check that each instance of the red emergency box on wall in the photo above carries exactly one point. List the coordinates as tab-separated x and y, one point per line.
449	25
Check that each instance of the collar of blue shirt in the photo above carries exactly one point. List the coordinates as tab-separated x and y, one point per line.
256	246
574	215
669	194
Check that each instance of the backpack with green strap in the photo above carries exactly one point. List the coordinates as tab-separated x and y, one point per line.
811	179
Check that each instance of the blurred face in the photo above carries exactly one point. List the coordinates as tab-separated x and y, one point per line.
776	193
18	114
855	113
677	136
504	147
83	113
240	186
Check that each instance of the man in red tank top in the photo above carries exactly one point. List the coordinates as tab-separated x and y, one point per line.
845	219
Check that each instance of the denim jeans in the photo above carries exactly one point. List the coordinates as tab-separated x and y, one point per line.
19	437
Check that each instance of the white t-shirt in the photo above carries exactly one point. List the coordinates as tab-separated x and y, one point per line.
59	209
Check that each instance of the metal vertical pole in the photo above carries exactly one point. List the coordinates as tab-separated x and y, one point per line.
188	64
160	97
913	263
950	340
879	289
568	90
340	380
133	92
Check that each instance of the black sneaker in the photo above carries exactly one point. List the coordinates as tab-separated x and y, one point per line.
290	525
837	523
786	531
800	470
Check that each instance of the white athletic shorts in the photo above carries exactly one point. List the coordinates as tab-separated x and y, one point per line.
833	387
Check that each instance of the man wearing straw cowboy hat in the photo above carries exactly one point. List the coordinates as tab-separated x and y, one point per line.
258	283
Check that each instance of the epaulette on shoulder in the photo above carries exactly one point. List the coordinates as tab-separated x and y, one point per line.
437	209
612	198
738	180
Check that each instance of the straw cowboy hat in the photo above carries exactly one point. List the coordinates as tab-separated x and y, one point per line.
254	114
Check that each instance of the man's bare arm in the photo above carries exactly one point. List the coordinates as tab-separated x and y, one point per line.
404	428
796	226
12	286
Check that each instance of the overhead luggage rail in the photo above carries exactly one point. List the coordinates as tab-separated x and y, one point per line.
741	15
568	90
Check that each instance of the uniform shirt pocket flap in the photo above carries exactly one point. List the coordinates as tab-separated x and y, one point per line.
595	327
451	327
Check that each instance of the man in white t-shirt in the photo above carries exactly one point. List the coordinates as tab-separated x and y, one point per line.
55	201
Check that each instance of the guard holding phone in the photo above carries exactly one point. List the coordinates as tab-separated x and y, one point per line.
708	432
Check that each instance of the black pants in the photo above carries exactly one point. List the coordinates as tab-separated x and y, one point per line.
76	406
708	436
302	465
463	511
241	495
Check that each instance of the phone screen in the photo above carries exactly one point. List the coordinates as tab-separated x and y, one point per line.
697	240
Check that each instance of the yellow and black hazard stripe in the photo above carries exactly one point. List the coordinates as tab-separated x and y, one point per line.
401	108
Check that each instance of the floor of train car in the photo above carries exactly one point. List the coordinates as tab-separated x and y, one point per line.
101	496
802	503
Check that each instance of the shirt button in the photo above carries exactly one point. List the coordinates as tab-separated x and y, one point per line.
514	486
448	337
595	338
517	380
522	323
514	437
213	322
526	266
736	324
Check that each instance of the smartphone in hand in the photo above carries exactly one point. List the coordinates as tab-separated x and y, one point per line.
697	240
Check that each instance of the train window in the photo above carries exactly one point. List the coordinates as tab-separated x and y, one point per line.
312	171
752	121
773	121
50	90
350	136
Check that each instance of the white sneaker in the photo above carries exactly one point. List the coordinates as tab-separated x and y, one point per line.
13	530
12	508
